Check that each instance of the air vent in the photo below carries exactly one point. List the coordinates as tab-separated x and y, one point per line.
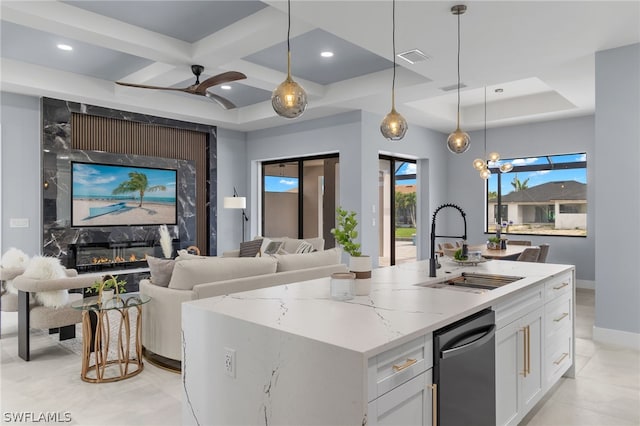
452	87
412	56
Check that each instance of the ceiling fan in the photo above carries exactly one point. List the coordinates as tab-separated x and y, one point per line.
199	88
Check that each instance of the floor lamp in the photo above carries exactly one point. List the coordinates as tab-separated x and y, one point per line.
237	202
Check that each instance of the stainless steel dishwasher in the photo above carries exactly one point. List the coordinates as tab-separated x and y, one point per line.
464	371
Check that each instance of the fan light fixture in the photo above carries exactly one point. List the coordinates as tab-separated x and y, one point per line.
481	165
394	126
289	99
458	141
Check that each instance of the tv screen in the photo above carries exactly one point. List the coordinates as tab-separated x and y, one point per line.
115	195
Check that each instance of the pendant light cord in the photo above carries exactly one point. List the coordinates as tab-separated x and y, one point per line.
458	70
288	25
393	38
485	125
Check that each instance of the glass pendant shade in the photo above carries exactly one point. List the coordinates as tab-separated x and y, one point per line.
458	141
485	174
289	99
506	167
494	156
393	126
478	164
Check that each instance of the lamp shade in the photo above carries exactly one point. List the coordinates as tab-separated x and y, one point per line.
235	202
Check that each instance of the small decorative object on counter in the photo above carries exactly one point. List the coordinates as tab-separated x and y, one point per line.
342	285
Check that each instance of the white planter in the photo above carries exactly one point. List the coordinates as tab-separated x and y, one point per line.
361	266
106	295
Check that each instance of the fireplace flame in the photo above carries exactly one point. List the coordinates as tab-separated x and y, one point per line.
132	258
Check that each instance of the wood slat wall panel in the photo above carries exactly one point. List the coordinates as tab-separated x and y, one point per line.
93	133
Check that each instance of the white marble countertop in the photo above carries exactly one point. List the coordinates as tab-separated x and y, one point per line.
396	310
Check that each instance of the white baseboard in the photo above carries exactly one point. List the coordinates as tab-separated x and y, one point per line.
588	284
616	337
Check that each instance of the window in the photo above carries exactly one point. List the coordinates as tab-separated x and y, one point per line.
544	195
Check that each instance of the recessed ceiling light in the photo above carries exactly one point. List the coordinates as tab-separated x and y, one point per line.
225	87
499	90
65	47
326	54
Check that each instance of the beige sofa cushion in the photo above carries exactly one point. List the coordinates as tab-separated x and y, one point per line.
188	273
293	262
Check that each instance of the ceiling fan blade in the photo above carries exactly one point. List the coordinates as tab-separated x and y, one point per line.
143	86
225	77
224	103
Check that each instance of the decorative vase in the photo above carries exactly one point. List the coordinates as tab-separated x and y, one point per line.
361	266
342	285
106	295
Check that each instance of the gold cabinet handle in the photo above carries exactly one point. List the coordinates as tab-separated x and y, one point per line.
528	350
524	352
564	355
408	363
561	286
561	317
434	404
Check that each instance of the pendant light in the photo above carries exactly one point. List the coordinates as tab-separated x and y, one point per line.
393	126
289	99
481	165
458	141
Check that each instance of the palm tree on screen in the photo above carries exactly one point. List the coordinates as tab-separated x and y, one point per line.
137	182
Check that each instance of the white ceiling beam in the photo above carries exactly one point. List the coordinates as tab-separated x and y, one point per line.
89	27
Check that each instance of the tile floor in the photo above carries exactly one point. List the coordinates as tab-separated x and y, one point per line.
606	391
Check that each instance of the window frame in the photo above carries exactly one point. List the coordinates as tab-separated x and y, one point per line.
495	170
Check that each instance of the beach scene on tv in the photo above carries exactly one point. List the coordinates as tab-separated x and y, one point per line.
109	195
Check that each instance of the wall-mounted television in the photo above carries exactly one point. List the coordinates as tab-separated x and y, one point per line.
118	195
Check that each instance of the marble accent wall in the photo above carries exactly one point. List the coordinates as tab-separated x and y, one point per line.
58	154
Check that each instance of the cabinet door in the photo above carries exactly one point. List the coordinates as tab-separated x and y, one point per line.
509	368
408	404
532	381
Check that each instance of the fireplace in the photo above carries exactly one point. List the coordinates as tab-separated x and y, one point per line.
96	257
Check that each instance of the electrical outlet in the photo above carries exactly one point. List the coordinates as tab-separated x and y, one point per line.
230	362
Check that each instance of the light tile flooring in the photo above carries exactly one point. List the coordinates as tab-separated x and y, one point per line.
606	391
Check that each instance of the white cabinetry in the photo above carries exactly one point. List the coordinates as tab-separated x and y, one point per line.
559	317
400	385
519	375
534	345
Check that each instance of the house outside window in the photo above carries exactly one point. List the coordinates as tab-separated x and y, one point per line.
544	195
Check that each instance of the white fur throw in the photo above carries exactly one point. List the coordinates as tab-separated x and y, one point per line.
14	258
48	268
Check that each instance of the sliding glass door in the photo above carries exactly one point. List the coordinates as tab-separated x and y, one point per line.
397	216
299	197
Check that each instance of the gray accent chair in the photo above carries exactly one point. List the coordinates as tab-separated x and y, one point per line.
544	251
34	315
8	300
530	254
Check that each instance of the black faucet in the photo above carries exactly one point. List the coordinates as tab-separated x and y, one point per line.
432	259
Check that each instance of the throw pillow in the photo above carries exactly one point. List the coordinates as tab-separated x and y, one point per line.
185	255
161	270
250	248
48	268
304	247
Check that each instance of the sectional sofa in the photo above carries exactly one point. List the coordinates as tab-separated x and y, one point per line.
199	277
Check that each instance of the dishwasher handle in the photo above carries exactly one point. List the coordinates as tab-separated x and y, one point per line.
486	335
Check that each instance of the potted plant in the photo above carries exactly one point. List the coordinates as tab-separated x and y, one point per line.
493	243
105	287
345	233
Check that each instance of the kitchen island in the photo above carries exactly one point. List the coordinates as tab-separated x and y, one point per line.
292	355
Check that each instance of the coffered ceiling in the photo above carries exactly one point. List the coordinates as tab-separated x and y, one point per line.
541	54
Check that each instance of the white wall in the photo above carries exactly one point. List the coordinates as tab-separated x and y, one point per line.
356	137
232	172
552	137
617	184
21	174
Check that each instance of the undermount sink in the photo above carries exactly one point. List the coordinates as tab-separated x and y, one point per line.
470	280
